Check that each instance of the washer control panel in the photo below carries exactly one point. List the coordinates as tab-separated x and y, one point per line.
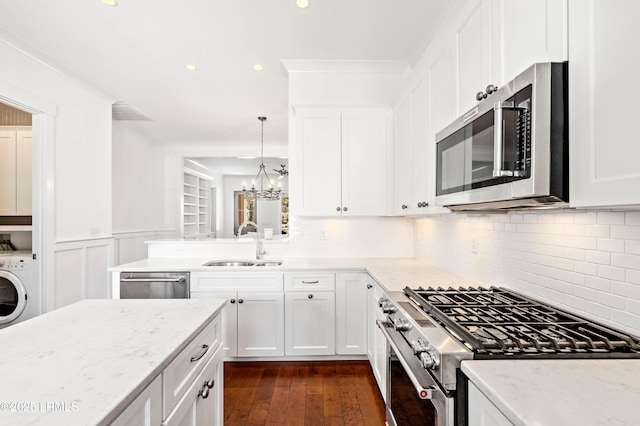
12	264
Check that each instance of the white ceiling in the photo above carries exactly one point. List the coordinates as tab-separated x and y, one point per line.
137	53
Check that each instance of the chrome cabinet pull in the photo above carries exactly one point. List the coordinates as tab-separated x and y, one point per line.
232	301
337	209
344	209
310	296
204	392
205	348
369	286
210	383
240	300
310	282
404	207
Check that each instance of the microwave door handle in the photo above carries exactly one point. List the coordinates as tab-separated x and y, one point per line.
498	141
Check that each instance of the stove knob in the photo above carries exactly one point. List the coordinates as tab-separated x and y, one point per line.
429	360
388	308
402	324
419	346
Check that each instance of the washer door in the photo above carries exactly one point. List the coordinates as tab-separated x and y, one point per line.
13	297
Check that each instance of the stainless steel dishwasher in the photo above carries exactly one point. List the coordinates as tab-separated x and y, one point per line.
154	285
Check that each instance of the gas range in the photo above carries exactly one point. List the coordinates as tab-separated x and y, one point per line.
443	327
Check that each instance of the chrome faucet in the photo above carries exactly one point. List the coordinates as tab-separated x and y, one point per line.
260	251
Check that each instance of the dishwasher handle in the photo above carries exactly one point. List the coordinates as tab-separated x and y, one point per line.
180	280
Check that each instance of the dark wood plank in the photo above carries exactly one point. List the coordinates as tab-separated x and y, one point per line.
301	393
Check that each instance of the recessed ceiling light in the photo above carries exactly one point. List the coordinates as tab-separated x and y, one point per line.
191	67
302	4
112	3
258	67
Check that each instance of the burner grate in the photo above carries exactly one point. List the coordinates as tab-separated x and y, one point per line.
497	321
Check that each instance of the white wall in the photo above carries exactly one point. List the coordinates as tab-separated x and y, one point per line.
585	261
137	181
78	190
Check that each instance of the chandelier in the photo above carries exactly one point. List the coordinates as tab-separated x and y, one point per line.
269	193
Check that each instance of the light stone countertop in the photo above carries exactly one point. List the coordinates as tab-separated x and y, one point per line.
393	274
561	392
84	363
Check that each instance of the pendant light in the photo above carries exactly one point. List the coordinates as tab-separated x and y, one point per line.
266	194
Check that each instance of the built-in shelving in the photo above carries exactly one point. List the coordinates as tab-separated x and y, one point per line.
195	205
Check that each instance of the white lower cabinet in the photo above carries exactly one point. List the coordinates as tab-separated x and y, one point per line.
351	313
189	389
254	317
376	342
203	402
310	314
482	412
145	410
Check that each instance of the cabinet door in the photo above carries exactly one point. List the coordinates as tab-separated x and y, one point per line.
260	324
317	158
351	314
146	409
421	191
376	342
603	66
229	320
403	170
310	323
525	32
471	47
365	152
7	172
23	172
482	412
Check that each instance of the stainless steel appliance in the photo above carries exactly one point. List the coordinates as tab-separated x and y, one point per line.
511	150
154	285
431	331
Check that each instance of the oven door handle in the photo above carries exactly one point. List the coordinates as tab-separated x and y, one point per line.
424	392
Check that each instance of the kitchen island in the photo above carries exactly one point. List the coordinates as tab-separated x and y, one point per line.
86	363
555	392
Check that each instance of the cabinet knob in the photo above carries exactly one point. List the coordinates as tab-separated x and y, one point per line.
404	207
492	88
344	209
210	383
369	286
337	209
310	296
240	300
480	96
232	301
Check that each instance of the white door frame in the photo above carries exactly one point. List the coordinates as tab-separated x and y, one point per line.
43	125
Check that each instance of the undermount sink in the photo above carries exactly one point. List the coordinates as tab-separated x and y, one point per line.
235	263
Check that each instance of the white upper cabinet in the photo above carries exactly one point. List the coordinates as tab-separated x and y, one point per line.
495	40
15	172
403	170
471	43
342	157
603	67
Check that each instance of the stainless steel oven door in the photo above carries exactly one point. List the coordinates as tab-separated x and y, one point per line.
413	396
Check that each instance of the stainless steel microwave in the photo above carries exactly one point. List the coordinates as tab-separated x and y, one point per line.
511	150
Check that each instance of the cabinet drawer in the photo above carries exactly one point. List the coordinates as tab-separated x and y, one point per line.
310	282
178	376
236	281
186	408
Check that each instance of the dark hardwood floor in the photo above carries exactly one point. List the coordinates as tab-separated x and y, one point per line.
301	393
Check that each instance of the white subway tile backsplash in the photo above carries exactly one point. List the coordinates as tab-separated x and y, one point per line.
608	244
632	218
626	232
612	300
600	257
598	310
611	272
596	283
629	261
611	218
601	231
632	247
586	261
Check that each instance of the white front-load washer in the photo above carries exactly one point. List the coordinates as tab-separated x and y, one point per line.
19	295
